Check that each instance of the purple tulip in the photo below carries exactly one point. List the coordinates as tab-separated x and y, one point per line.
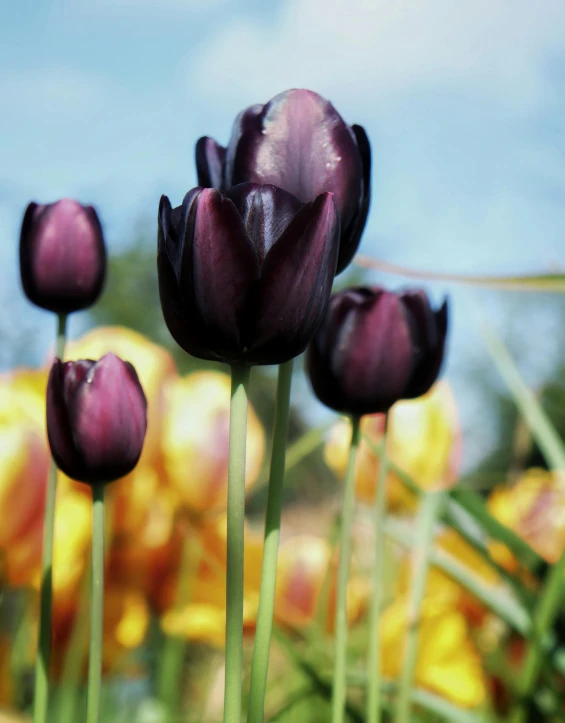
375	348
299	142
62	256
96	418
245	277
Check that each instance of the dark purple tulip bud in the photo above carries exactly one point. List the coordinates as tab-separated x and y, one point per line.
299	142
62	256
96	418
246	277
374	348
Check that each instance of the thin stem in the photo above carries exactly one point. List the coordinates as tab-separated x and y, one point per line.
41	697
260	663
339	677
96	606
75	656
542	621
374	657
235	543
172	659
423	543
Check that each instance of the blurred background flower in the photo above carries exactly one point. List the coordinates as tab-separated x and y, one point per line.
166	539
424	440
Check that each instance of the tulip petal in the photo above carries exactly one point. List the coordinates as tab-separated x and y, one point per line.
295	285
428	366
62	256
266	211
225	269
351	236
246	122
210	157
182	320
299	142
63	450
108	419
373	355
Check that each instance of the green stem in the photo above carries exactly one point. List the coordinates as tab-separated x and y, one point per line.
544	615
339	677
172	659
96	606
260	663
75	656
374	659
423	543
235	543
41	696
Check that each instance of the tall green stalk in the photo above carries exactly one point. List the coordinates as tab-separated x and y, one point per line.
260	663
96	607
374	654
340	663
422	550
235	543
41	695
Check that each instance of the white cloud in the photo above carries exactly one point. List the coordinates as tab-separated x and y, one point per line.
361	48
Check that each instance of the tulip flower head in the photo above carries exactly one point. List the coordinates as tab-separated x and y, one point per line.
245	277
375	348
62	256
96	418
299	142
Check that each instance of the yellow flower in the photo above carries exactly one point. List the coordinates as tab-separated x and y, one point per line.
24	457
423	440
535	509
71	546
448	662
195	440
441	587
203	617
126	619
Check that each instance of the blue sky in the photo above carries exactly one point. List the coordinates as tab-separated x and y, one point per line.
103	100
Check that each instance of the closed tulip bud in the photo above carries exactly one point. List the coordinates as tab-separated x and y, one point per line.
299	142
96	418
62	256
245	277
376	347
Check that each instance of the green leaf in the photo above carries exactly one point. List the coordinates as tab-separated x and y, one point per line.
544	433
495	597
425	699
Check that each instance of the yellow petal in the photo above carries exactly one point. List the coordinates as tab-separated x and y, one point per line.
423	440
534	508
195	440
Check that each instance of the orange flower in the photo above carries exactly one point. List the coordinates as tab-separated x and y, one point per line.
423	440
305	561
195	440
534	508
